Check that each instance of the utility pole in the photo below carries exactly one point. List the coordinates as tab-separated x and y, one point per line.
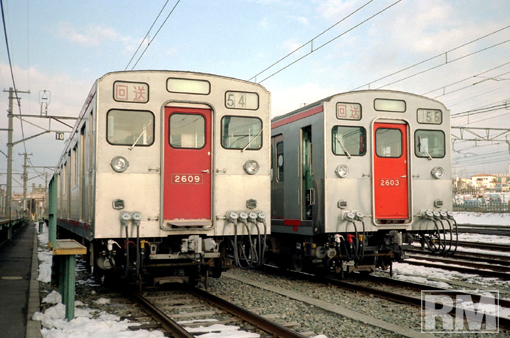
8	204
25	180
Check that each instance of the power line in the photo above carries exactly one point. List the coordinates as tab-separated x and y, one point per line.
12	71
338	36
149	43
432	58
444	64
465	79
146	35
311	40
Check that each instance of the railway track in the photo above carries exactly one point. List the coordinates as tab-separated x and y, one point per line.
488	246
460	265
484	229
410	293
472	256
402	292
189	311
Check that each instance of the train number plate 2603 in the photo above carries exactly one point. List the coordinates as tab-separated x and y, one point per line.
187	179
389	182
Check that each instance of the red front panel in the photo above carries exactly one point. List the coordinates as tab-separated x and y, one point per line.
187	172
391	185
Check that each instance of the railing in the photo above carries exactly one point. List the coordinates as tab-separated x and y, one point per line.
482	207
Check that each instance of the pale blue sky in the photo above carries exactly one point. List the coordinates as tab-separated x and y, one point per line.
63	46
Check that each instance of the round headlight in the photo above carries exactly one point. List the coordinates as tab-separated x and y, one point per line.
119	164
342	171
437	172
251	167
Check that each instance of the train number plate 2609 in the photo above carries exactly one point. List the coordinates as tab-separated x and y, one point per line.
187	178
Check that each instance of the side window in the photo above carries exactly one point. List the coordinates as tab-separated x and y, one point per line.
349	141
279	161
239	132
388	142
429	143
127	127
187	131
74	166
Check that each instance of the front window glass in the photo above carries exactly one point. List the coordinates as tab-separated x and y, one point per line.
429	142
388	142
125	127
349	141
241	132
187	131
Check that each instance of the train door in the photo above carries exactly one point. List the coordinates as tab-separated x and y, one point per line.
307	191
187	166
391	171
277	177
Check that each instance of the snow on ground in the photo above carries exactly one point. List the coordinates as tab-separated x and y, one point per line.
478	218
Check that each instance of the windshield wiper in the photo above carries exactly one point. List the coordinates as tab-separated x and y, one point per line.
143	131
343	147
253	139
423	150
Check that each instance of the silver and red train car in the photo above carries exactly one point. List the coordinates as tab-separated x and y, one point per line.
357	175
165	172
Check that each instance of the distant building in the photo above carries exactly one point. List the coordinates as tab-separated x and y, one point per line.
35	201
486	181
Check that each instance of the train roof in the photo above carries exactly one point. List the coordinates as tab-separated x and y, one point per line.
178	71
327	99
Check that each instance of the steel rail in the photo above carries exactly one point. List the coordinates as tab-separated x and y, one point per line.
459	261
490	246
404	299
419	287
250	317
166	322
466	255
475	271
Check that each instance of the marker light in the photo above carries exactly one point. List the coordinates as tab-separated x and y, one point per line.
251	167
437	172
119	164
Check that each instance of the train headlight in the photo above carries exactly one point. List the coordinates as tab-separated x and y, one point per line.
251	167
342	171
119	164
437	172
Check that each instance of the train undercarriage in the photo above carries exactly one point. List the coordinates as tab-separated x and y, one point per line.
344	253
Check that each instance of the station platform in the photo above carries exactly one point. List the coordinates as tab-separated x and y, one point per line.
19	288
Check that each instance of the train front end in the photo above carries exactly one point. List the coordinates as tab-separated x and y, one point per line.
175	177
371	175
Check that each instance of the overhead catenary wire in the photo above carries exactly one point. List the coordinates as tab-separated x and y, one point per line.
311	40
465	79
432	58
161	26
146	35
328	42
12	72
443	64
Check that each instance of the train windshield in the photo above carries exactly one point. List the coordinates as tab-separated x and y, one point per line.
429	143
130	127
241	132
349	141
